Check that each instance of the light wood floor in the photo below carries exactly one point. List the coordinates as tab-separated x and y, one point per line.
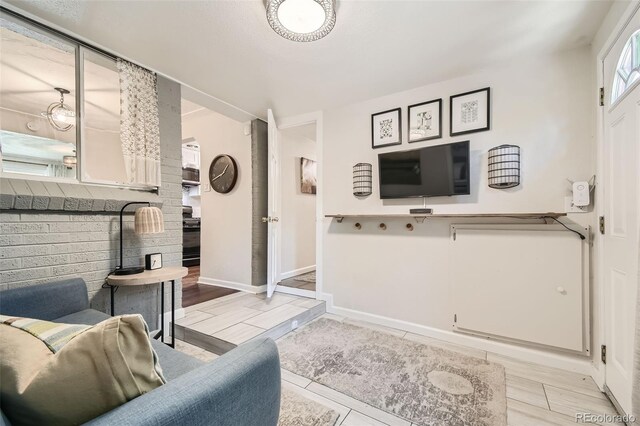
536	395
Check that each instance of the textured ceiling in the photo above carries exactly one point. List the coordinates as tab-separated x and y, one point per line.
227	49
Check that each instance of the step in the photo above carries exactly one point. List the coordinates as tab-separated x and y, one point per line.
220	347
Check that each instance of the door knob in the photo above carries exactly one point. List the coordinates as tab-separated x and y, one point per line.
275	219
561	290
266	219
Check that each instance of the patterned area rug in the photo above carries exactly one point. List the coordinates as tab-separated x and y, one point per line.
422	384
296	410
309	277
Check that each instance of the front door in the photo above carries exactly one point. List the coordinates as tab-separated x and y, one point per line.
621	160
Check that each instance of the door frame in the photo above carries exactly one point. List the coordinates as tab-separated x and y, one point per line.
295	121
599	329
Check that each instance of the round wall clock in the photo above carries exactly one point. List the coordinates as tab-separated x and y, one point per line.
223	173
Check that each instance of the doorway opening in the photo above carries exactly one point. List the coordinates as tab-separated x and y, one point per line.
216	223
298	188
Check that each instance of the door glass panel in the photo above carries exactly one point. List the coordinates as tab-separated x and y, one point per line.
37	102
628	67
102	151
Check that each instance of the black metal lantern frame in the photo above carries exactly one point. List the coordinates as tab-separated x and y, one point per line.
362	177
504	166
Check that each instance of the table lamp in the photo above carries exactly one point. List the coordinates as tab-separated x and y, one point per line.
147	220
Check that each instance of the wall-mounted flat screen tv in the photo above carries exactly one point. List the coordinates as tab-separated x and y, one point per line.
434	171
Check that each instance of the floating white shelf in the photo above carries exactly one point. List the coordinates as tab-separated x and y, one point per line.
421	217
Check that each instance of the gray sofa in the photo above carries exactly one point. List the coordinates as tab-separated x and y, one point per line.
241	388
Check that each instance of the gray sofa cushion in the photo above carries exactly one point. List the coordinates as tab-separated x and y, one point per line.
86	316
241	388
173	362
45	301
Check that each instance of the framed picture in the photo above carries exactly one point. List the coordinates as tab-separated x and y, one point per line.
470	112
308	176
386	129
425	121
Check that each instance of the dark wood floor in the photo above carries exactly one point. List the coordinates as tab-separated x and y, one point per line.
194	293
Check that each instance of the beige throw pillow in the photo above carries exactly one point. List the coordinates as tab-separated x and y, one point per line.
95	372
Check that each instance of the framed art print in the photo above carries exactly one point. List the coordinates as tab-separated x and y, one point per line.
425	121
308	176
470	112
386	128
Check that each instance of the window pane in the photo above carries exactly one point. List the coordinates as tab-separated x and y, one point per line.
636	49
103	158
626	66
37	102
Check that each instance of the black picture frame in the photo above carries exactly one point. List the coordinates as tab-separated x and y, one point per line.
474	130
399	118
410	107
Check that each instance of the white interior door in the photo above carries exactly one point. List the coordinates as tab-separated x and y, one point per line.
273	218
621	159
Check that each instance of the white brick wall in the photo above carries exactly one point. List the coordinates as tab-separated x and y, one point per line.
37	247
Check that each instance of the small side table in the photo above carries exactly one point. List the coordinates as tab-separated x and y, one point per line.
157	276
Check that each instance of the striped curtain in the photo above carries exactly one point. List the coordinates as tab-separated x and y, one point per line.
139	130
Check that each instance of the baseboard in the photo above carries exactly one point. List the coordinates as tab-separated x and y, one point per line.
549	359
295	272
254	289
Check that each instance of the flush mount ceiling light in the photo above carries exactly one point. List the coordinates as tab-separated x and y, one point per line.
60	116
301	20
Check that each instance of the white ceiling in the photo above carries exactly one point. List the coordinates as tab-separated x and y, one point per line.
227	49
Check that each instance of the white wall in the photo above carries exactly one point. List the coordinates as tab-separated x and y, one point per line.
298	213
542	104
226	218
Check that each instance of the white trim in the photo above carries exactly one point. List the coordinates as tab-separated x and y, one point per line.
617	31
296	272
296	291
576	364
247	288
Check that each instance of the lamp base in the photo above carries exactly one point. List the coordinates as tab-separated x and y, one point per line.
129	271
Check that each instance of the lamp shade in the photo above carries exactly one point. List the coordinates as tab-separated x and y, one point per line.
149	220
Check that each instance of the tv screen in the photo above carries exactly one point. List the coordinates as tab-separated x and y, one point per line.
433	171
